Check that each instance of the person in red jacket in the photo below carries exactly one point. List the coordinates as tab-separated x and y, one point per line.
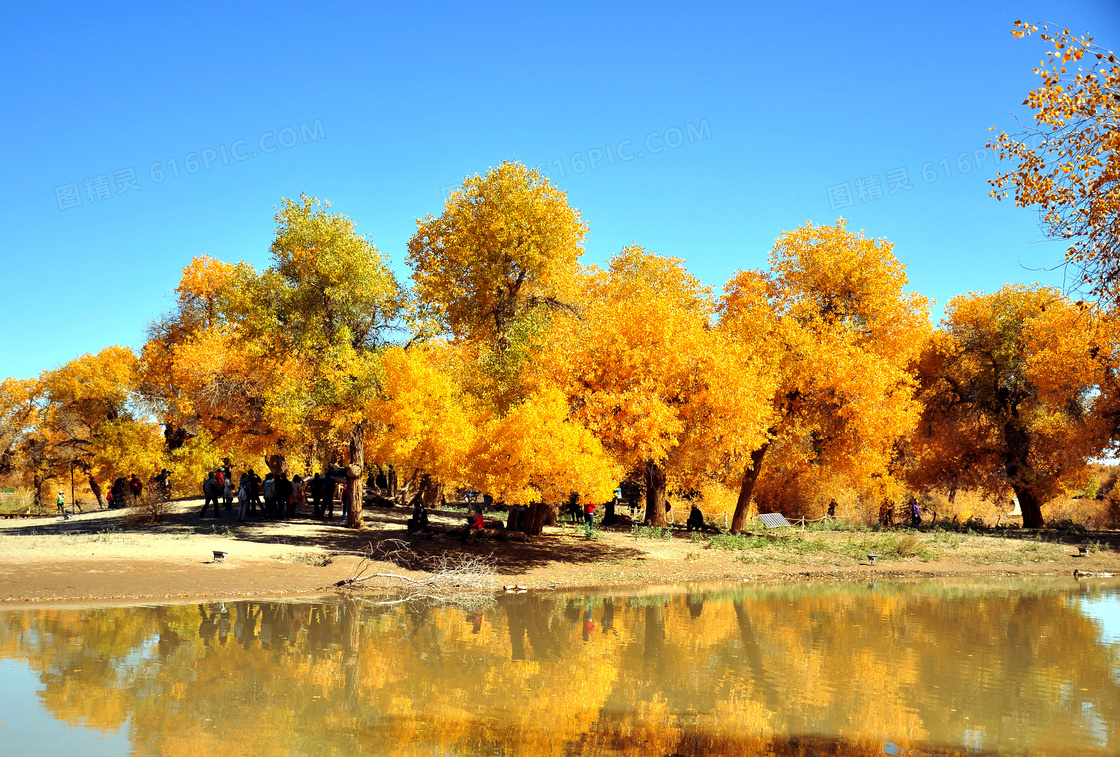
589	513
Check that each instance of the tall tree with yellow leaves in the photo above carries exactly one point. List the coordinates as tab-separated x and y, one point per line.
318	318
504	248
664	392
493	270
831	320
1019	395
203	379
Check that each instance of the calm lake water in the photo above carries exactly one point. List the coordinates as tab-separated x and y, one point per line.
1001	667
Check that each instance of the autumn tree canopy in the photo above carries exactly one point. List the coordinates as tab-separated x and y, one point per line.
1016	388
505	247
317	319
511	369
202	379
642	367
837	331
84	414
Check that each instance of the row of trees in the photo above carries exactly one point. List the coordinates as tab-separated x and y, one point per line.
510	368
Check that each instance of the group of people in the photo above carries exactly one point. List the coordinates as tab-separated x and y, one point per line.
275	496
122	489
886	512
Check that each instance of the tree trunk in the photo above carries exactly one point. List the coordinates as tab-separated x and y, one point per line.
391	476
354	476
96	489
655	494
1031	507
610	517
535	518
277	463
514	517
746	489
431	492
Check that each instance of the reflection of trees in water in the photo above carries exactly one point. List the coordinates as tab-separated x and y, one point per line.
722	674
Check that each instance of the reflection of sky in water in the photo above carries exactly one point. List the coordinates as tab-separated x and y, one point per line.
25	722
1105	611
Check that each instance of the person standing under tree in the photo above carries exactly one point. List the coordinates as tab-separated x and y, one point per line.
268	489
283	493
254	492
243	494
227	489
62	504
211	490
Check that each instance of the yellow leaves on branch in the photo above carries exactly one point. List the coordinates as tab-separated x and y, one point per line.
1019	391
506	244
1067	164
838	334
535	453
422	417
646	372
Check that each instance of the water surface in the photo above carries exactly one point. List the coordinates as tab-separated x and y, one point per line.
1001	667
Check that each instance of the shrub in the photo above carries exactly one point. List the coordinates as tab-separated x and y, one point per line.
650	532
152	509
889	548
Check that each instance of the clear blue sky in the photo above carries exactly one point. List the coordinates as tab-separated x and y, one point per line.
399	102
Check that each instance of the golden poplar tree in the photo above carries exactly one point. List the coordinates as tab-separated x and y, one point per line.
1019	391
832	321
667	395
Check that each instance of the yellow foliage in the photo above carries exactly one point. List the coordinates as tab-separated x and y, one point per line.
1072	173
646	373
832	323
421	417
507	243
1017	389
535	453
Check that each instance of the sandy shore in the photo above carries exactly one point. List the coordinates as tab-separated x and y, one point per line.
102	555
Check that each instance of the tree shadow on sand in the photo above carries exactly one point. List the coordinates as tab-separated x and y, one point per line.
332	537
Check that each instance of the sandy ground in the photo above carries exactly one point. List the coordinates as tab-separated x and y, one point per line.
103	555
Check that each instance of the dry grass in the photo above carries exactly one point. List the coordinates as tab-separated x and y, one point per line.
808	547
18	499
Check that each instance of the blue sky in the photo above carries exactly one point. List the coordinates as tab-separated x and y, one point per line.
739	121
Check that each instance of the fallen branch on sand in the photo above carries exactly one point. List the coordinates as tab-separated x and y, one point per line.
452	579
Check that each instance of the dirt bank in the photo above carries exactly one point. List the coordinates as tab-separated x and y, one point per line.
102	555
